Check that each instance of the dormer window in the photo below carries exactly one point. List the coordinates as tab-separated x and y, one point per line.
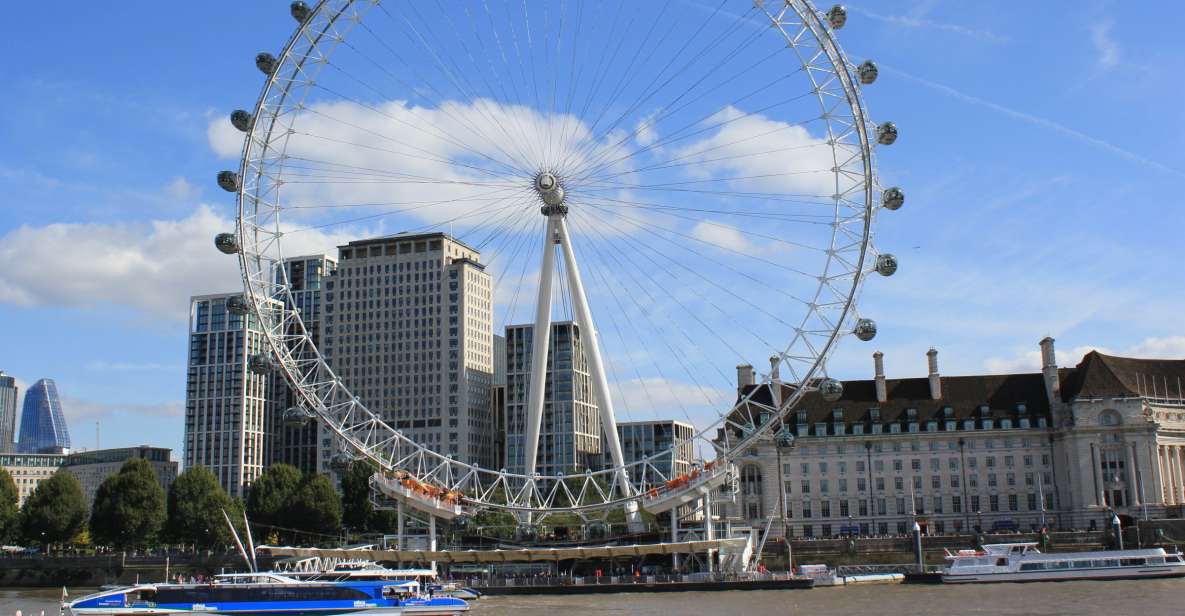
802	418
1022	408
911	414
984	410
948	412
837	415
874	415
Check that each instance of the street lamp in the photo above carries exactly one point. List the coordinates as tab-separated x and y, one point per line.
1118	528
784	439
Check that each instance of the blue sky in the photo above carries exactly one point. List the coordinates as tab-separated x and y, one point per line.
1040	151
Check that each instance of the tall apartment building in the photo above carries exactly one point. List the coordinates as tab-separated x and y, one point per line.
408	326
301	446
570	434
228	409
8	396
43	424
642	439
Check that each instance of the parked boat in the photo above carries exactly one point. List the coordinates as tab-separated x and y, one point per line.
268	593
1023	562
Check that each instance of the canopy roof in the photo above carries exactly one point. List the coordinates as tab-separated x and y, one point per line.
527	554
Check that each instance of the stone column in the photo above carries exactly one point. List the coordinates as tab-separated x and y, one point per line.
1095	463
1179	461
1133	475
1154	466
1166	475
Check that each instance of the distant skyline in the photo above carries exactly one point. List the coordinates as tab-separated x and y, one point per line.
1040	153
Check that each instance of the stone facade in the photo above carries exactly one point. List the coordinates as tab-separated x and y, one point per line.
1063	447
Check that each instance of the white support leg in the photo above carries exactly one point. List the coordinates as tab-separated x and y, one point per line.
709	530
432	538
539	348
596	367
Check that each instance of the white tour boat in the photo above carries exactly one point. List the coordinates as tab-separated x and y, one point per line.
1023	562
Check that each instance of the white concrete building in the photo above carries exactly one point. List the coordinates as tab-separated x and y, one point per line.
986	451
408	326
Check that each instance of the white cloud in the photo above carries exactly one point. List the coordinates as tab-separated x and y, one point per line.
179	190
918	22
645	133
1169	347
79	410
224	139
1104	44
152	267
1039	121
771	155
723	236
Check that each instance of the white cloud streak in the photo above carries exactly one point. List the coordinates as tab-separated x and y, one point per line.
1045	123
1105	45
920	23
1168	347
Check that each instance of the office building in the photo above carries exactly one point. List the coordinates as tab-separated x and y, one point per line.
8	398
92	467
642	439
570	432
408	326
30	469
301	446
228	409
1064	446
43	424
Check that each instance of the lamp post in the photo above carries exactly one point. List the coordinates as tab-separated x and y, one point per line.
784	439
1118	528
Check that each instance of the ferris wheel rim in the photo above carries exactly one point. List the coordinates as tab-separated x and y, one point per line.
262	304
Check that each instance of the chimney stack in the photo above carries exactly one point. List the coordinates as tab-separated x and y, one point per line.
745	376
1049	369
935	379
882	393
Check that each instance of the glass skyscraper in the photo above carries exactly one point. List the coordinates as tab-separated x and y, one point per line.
43	427
8	395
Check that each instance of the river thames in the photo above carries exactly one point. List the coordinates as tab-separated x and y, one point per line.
1120	598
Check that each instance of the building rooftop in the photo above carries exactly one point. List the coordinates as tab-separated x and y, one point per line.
1099	375
408	235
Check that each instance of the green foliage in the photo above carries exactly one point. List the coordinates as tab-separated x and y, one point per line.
282	499
357	511
316	506
9	513
196	502
129	507
55	511
271	495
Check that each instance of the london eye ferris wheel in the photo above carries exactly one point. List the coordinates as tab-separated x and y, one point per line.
692	184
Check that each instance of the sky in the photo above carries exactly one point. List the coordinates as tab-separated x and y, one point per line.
1039	151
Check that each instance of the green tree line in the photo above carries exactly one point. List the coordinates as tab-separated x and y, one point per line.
131	511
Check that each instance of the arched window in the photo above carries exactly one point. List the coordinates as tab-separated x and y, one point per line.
1110	418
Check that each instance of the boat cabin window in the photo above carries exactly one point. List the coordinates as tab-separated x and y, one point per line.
1060	564
1081	564
1001	562
144	595
1132	562
1032	566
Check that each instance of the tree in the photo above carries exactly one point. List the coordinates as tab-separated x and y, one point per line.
357	510
55	511
316	506
9	512
196	503
129	507
271	495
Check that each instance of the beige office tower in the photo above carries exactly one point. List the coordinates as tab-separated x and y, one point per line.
408	326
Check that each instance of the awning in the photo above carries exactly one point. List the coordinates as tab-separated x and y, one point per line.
523	555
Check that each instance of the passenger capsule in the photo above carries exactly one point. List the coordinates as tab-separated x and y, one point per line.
261	364
296	417
865	329
341	461
831	390
242	119
229	181
300	11
886	133
226	243
237	305
837	16
266	63
867	72
886	264
893	198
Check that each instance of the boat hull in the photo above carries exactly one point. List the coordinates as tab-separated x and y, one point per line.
1107	573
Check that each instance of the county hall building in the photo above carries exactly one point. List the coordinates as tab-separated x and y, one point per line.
1067	446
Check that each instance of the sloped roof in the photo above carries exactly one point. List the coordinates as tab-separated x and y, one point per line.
1099	375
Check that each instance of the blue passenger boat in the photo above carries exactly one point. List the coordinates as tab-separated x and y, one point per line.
268	594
